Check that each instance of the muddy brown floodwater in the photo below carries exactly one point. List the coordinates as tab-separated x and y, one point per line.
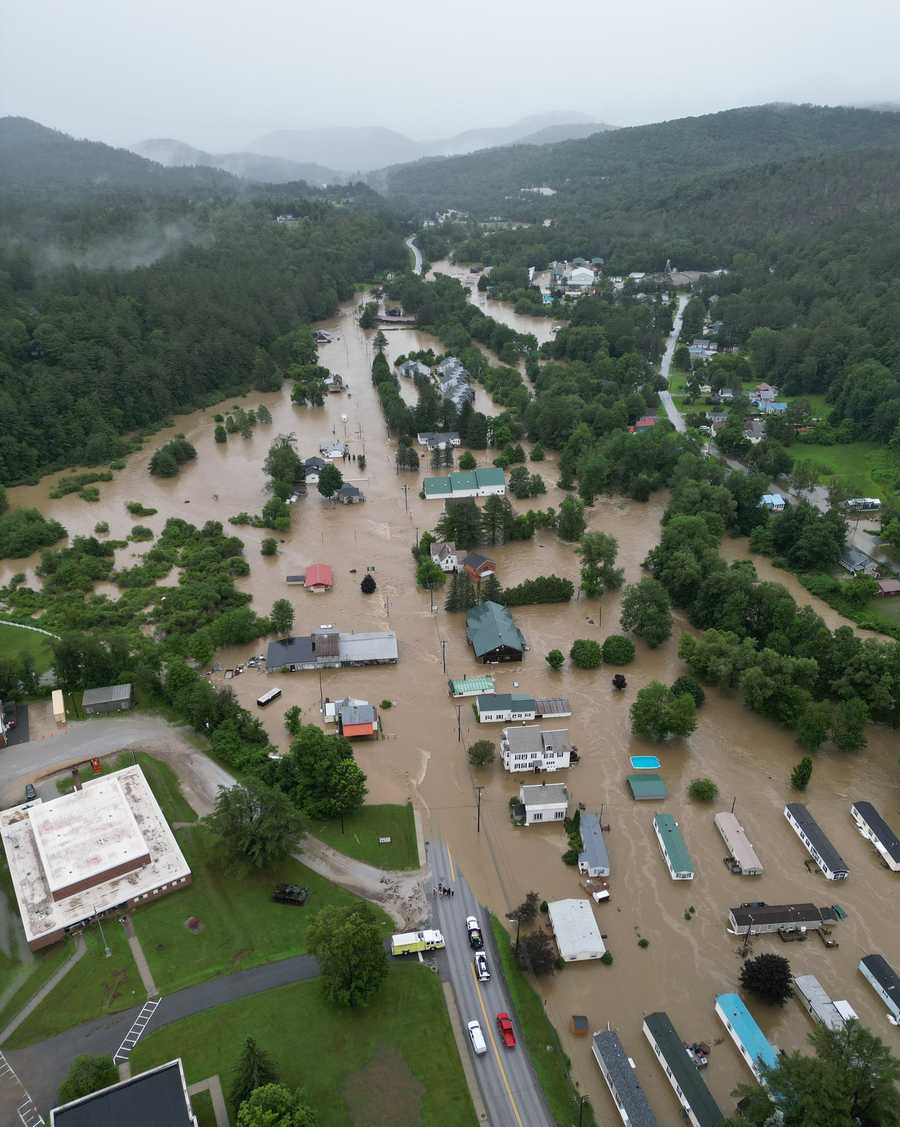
422	756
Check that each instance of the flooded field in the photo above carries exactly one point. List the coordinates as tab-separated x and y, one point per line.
422	756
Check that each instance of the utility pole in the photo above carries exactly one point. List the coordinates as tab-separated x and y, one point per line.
459	723
518	925
733	801
582	1100
321	693
444	653
431	593
479	789
106	950
405	492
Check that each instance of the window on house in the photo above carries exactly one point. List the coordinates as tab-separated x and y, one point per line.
537	817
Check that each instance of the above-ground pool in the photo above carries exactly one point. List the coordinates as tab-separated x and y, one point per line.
644	763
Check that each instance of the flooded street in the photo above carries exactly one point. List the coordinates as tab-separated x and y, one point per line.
422	756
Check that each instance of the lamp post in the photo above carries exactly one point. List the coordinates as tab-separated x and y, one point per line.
106	950
582	1100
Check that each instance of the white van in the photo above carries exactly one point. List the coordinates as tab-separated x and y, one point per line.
477	1038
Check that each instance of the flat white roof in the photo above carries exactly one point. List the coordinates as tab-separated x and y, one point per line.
137	823
576	931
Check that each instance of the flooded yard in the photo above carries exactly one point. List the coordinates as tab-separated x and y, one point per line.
422	755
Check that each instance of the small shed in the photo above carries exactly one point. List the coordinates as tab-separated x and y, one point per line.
646	788
109	698
888	588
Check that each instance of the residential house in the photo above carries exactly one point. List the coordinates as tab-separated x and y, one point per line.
700	349
453	382
470	686
318	578
580	278
744	859
875	829
671	843
593	860
858	562
814	998
817	844
544	802
767	408
774	502
888	588
764	393
575	930
438	440
501	708
349	495
699	1107
645	422
764	919
357	719
484	482
493	634
884	980
530	748
752	1044
478	567
334	384
313	467
621	1079
444	555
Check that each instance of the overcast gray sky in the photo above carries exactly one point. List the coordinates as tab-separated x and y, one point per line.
217	73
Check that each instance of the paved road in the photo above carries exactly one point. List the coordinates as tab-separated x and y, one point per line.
411	243
43	1067
675	416
509	1087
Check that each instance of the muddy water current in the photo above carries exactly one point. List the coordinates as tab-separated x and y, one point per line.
422	756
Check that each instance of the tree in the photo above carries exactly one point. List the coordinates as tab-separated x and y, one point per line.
368	318
657	713
330	480
768	976
527	911
555	659
646	611
813	725
467	461
86	1075
805	475
460	524
482	753
691	687
570	524
848	724
618	650
283	466
282	617
292	720
349	944
802	773
274	1105
599	574
368	584
496	519
703	790
322	776
263	414
537	953
269	547
254	1069
429	574
163	463
489	589
220	434
586	653
256	824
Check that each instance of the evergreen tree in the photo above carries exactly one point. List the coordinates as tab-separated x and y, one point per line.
490	589
496	519
453	602
254	1069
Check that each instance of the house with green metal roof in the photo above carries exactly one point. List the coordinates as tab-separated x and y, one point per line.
503	708
646	788
674	851
483	482
470	686
700	1109
492	633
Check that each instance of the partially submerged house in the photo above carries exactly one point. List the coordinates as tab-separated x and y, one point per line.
328	648
621	1079
698	1105
443	553
478	567
884	980
671	843
349	495
646	788
484	482
593	860
743	855
813	997
763	919
501	708
875	829
817	844
492	634
575	930
357	718
313	467
438	440
470	686
544	802
751	1043
530	748
317	578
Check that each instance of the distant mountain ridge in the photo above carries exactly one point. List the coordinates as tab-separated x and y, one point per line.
248	166
365	148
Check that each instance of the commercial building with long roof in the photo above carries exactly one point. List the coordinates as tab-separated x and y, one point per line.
99	849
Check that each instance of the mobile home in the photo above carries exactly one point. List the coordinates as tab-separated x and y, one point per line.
884	980
812	996
817	844
875	829
671	843
743	855
699	1107
746	1034
621	1079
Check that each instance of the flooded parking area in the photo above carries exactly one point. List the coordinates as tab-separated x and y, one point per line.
422	755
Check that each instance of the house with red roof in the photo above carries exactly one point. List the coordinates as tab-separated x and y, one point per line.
318	578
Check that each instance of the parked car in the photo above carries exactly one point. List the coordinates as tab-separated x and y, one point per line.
473	928
477	1038
30	792
505	1027
291	894
481	967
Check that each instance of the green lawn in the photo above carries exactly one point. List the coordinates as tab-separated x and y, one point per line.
872	468
14	643
44	965
203	1109
362	831
240	925
547	1055
96	985
162	779
394	1062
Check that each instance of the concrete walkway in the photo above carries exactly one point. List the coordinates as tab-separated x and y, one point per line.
52	981
43	1066
213	1085
140	959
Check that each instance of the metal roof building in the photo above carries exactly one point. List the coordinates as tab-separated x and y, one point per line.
875	829
470	686
109	698
689	1086
674	851
495	708
622	1081
817	844
377	647
735	837
646	788
811	994
883	979
150	1099
760	919
753	1046
577	935
593	860
493	634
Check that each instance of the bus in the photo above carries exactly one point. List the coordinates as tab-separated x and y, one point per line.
267	698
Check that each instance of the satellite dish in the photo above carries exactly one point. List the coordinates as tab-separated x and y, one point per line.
344	418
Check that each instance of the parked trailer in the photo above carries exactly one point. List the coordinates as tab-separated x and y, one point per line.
411	942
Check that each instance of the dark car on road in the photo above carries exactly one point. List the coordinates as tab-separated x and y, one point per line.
30	792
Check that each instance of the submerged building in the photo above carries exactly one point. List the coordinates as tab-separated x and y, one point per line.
698	1105
743	856
875	829
751	1043
621	1079
817	844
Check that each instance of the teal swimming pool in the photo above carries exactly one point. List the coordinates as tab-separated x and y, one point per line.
644	763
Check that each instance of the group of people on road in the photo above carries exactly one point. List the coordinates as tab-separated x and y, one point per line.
443	889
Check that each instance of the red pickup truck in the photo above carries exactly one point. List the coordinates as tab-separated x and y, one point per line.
504	1024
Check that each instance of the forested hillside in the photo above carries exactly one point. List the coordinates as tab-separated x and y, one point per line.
125	300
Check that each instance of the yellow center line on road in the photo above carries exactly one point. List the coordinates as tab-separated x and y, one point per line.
452	866
492	1040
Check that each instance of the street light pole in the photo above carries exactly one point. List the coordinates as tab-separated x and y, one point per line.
106	950
478	790
582	1100
444	653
